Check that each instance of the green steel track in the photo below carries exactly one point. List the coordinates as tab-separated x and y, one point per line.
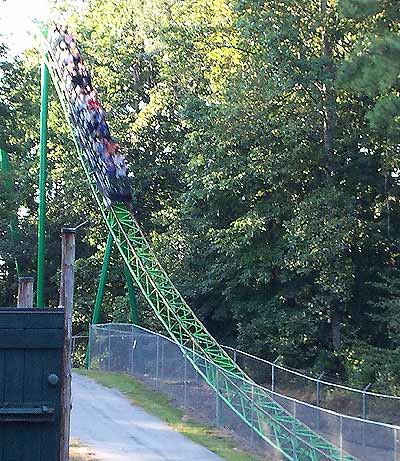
279	428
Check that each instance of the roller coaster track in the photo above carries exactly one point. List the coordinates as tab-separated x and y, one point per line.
276	426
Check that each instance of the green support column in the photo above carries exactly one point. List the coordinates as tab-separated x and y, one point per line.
5	167
100	293
132	296
102	282
42	184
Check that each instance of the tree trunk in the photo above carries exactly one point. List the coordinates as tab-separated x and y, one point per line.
328	93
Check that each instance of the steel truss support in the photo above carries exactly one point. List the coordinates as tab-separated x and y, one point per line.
132	296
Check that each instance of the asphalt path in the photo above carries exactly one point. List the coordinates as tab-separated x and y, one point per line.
115	430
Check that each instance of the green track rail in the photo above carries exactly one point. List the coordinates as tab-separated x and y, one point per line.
279	428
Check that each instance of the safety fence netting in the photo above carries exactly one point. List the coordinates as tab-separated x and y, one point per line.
164	366
318	391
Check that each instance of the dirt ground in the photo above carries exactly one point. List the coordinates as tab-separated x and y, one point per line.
77	452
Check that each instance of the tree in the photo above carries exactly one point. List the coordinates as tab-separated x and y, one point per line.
261	174
373	66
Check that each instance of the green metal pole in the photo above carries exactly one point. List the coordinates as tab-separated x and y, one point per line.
100	292
132	296
42	184
5	167
102	282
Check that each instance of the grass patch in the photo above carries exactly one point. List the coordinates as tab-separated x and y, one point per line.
216	440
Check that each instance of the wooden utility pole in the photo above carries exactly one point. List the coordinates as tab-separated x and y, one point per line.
25	292
329	129
66	301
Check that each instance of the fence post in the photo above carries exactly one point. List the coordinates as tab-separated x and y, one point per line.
157	359
319	388
109	351
73	350
25	292
88	358
364	401
185	381
139	359
218	406
364	410
252	416
294	410
341	436
273	373
67	301
162	361
235	355
318	398
273	377
133	345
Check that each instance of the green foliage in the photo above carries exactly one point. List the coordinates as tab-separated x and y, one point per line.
262	144
368	364
373	65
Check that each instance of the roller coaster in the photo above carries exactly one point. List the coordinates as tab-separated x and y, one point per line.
279	428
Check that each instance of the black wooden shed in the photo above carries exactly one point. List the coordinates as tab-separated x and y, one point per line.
31	345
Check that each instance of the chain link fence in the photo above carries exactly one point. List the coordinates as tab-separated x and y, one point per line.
158	362
318	392
163	365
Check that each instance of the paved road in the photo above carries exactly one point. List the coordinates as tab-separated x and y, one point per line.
104	420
